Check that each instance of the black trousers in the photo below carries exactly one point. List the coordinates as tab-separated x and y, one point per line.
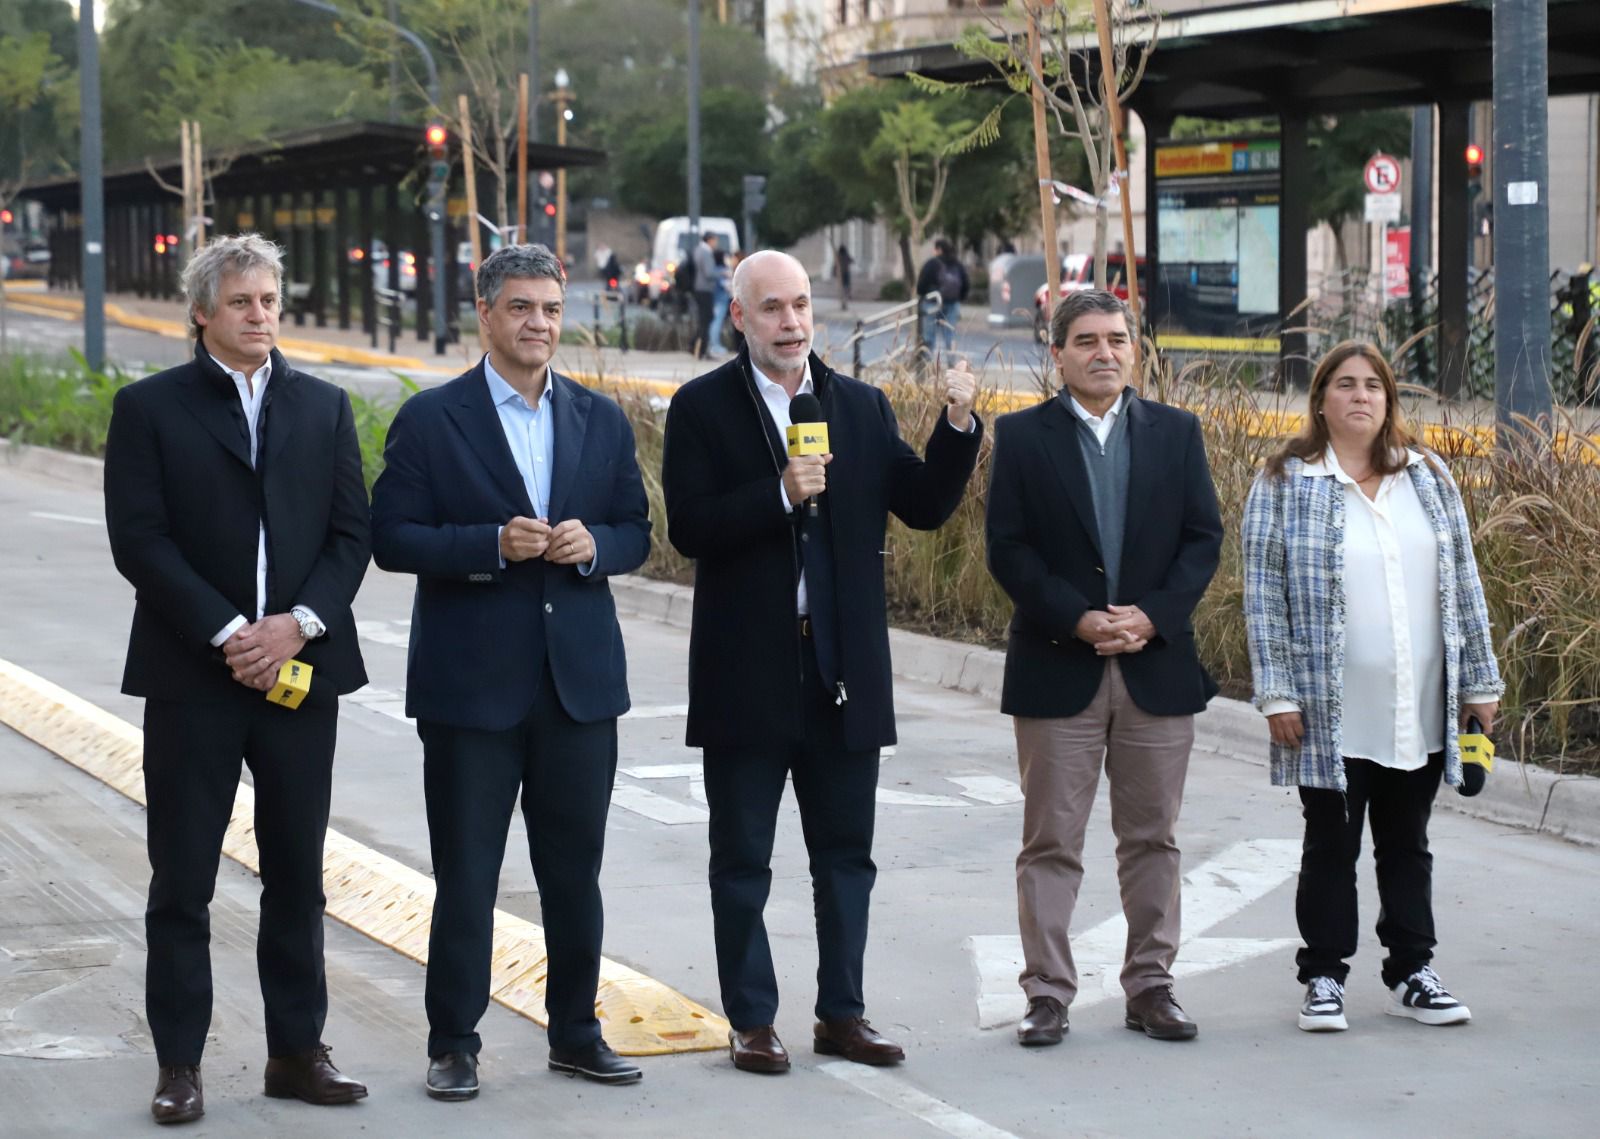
836	790
471	778
192	755
1399	804
702	319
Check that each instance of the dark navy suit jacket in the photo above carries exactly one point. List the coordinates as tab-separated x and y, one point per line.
481	634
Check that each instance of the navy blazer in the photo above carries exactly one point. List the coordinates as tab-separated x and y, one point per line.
1044	550
481	634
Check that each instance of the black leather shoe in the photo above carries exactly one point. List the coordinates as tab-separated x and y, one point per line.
758	1050
857	1041
596	1062
1155	1013
453	1076
311	1078
1044	1023
179	1097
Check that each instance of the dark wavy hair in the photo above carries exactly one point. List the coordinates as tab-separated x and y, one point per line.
1388	448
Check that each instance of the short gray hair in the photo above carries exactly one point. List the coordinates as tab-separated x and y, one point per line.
1074	305
242	253
518	261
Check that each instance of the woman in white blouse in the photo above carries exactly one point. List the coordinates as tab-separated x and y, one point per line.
1370	647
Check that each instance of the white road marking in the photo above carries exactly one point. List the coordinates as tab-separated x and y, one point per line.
987	788
77	519
894	1091
382	701
657	712
395	633
1239	876
889	797
656	807
693	772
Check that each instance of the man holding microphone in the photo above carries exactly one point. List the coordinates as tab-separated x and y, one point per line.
789	671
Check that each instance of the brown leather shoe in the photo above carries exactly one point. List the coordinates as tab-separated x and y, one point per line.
311	1077
179	1097
758	1050
1045	1022
1155	1013
857	1041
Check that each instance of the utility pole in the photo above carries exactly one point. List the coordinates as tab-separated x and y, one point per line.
1421	228
92	192
694	123
1521	217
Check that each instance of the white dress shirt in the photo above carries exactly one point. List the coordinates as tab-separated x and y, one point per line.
1100	424
777	401
252	394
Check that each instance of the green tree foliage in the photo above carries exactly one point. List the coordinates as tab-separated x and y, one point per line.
38	90
650	169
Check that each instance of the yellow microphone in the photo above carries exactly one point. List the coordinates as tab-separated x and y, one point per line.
294	682
1477	757
807	433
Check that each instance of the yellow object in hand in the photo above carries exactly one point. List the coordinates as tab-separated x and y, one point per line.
1477	748
294	681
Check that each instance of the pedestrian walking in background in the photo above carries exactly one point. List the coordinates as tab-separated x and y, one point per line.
842	264
1370	647
943	274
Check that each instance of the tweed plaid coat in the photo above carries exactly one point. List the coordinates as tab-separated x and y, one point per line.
1295	611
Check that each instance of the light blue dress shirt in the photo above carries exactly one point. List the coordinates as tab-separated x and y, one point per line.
531	434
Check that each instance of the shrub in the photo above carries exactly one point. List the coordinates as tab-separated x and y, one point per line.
894	289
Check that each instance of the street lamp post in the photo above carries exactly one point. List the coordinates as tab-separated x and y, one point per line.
562	96
436	188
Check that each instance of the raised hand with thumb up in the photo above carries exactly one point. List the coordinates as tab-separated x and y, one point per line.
960	389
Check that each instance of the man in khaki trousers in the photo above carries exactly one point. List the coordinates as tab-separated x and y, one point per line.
1103	529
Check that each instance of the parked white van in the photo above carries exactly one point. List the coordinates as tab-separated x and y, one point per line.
673	243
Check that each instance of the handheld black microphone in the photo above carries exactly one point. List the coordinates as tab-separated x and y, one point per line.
807	434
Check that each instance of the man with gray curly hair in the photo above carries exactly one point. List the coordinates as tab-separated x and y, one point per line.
236	509
513	494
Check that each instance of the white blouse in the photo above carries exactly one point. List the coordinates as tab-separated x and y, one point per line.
1394	633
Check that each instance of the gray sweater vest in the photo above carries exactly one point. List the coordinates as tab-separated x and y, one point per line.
1108	484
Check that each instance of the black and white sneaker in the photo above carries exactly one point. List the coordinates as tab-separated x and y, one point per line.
1424	999
1324	1007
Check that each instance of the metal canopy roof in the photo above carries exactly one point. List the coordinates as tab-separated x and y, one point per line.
1315	55
343	154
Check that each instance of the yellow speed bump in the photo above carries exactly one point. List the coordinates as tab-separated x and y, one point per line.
368	891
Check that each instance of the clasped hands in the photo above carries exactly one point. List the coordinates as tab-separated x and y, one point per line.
255	652
567	543
1115	629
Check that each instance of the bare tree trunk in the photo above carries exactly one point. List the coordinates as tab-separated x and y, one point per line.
1101	227
907	266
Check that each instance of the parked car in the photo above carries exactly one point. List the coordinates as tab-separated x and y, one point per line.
25	260
1077	274
379	260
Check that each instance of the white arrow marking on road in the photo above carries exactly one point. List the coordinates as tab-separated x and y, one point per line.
1239	876
895	1092
51	516
693	772
987	788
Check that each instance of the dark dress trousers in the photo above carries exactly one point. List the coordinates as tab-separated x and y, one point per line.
758	703
516	677
184	508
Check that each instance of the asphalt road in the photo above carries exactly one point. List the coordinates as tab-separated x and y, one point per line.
1518	916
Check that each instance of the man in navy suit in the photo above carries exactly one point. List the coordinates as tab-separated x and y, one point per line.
513	493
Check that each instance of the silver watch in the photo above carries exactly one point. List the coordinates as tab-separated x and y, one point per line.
310	627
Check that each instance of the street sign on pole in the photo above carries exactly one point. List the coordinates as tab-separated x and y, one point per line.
1382	174
1383	208
1397	263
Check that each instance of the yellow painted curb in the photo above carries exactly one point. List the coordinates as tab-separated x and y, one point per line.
368	891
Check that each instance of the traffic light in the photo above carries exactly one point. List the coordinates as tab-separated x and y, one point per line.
549	209
438	158
1474	163
6	217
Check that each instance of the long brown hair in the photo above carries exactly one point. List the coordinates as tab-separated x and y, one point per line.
1388	448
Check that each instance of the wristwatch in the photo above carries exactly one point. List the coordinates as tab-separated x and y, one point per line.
310	627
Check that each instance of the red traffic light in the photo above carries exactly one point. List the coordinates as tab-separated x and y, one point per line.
6	217
549	209
1474	154
437	135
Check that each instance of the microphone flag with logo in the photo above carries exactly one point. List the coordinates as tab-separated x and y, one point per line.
807	433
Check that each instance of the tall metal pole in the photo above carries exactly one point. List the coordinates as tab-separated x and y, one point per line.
533	68
694	122
394	69
436	199
1421	228
1521	216
91	184
522	158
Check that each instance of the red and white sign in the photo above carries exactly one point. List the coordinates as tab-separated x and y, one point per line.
1397	263
1382	174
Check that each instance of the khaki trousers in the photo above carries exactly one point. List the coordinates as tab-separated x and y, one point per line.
1146	758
